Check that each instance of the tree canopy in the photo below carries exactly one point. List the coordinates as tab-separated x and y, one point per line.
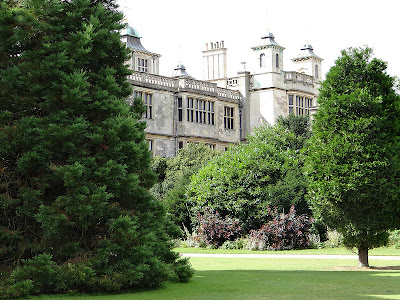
76	213
353	159
248	178
174	177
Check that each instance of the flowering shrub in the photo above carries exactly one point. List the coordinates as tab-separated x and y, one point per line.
283	232
213	230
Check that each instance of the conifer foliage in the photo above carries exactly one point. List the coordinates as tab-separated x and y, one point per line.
75	211
353	158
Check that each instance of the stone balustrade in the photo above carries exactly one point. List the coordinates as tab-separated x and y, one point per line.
182	84
299	77
198	85
228	94
153	80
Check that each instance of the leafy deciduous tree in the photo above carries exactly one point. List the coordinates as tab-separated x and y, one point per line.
174	177
248	178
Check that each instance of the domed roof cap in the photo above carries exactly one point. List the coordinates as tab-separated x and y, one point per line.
268	35
132	38
180	71
131	32
307	47
306	52
267	40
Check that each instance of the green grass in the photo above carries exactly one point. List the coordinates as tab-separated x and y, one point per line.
270	278
384	251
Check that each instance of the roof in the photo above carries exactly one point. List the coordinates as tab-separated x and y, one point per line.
180	71
268	40
306	52
130	31
132	39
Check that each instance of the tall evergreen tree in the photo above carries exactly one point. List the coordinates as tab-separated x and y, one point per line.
75	211
353	159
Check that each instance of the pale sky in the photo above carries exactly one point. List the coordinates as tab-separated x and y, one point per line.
179	29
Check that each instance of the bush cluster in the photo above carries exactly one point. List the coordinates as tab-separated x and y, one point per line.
394	239
283	232
213	230
41	275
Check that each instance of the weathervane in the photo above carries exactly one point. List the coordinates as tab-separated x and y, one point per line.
267	20
124	9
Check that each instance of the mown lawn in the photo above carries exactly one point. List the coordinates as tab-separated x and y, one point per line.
273	278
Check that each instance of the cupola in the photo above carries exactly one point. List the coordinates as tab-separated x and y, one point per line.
307	52
132	38
268	55
142	59
180	71
308	62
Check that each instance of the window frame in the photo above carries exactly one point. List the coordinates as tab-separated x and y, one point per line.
200	111
229	117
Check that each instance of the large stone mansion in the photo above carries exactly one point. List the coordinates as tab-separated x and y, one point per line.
218	110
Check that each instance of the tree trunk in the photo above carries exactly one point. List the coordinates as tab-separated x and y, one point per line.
363	257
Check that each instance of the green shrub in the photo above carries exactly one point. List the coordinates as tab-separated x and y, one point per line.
17	289
229	245
335	239
394	239
182	269
76	277
241	243
40	270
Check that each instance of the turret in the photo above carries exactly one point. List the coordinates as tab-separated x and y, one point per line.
142	59
180	72
268	55
308	62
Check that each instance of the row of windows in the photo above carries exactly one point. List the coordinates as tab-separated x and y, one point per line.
299	105
198	111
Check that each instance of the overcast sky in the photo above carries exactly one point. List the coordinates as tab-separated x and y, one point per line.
179	29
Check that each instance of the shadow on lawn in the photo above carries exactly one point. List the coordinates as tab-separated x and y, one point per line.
372	268
267	284
389	268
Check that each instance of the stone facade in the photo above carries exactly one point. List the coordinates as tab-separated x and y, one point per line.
220	111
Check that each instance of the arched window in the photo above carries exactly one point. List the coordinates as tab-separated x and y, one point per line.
277	60
316	71
262	60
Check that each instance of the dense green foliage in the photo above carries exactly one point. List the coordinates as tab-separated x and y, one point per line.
353	160
174	176
248	178
75	211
